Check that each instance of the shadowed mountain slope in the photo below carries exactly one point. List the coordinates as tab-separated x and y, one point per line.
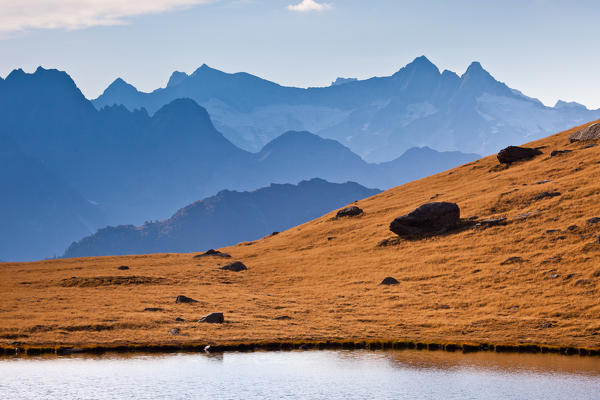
229	217
40	213
377	118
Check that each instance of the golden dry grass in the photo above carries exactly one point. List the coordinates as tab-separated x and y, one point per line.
324	275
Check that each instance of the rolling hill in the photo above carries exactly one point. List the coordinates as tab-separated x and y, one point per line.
530	278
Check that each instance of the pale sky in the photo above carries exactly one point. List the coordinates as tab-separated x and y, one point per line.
546	48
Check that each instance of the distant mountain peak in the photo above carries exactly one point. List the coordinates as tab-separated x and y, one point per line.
341	81
120	88
56	84
176	78
569	104
421	63
185	113
420	66
203	69
475	69
477	79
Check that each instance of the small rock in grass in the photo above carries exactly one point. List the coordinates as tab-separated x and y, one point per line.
572	228
123	268
153	309
594	220
178	319
351	211
184	299
491	222
213	253
175	331
237	266
545	195
282	318
559	152
542	182
512	260
213	318
389	281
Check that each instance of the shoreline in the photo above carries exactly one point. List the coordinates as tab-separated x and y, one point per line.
167	348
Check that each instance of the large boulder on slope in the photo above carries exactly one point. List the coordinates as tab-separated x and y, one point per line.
428	219
513	154
351	211
237	266
591	132
213	318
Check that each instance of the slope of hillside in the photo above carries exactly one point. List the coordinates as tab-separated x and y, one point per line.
377	118
228	218
321	280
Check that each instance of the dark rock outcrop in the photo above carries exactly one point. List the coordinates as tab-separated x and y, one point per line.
351	211
184	299
512	260
513	154
594	220
123	268
389	281
559	152
491	222
213	253
235	267
591	132
153	309
213	318
545	195
430	218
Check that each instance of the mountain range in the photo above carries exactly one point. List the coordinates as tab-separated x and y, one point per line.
376	118
228	218
114	166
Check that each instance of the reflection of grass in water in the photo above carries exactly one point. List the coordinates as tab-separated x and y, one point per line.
325	275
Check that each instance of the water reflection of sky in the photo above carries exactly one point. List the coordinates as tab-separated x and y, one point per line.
304	375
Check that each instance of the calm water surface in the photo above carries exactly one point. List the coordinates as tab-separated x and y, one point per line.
304	375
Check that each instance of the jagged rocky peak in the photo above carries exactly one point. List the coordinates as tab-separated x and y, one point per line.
341	81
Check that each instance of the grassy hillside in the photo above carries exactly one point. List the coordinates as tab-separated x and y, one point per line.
324	275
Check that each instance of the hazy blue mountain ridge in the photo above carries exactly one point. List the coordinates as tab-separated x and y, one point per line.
133	166
376	118
225	219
